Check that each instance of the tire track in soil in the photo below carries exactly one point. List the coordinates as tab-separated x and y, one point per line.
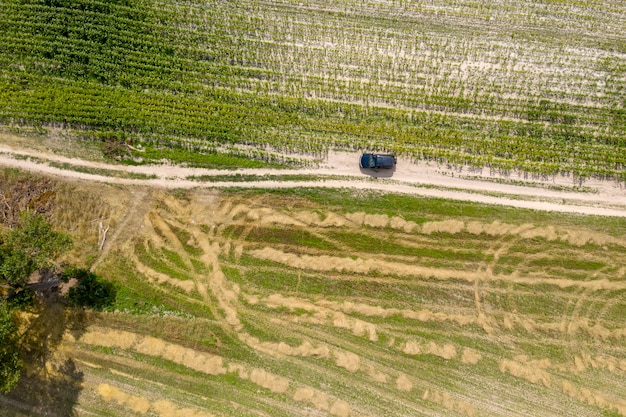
487	322
133	219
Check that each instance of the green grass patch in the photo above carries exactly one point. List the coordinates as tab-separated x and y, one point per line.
175	259
199	159
135	289
296	237
153	258
384	243
101	171
567	263
187	240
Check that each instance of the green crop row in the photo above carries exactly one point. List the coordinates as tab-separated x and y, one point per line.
402	76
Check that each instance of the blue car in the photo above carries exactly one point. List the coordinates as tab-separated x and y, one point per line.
376	161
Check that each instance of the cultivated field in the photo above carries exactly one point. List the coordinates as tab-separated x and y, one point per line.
533	86
341	303
310	301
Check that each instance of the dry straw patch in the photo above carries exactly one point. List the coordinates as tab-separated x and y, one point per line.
136	403
525	231
166	408
323	313
261	377
203	362
400	224
423	315
306	349
142	405
470	356
340	408
586	361
548	233
278	300
227	294
446	226
357	326
530	370
376	220
333	220
403	383
269	216
446	351
593	397
494	229
376	375
318	399
107	338
348	360
305	217
308	217
450	403
269	381
359	265
595	330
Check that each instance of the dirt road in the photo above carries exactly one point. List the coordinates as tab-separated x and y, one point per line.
604	198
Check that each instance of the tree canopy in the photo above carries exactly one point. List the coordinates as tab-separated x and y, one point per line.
30	246
10	363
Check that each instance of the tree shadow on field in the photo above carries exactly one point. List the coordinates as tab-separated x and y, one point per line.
51	383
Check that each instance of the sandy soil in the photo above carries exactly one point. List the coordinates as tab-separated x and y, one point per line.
605	198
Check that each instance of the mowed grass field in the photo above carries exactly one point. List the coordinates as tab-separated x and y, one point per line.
334	302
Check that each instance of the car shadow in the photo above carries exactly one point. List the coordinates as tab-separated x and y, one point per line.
378	173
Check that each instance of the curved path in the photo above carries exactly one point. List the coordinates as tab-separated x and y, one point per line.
340	170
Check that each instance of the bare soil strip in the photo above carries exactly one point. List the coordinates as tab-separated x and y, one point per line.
409	178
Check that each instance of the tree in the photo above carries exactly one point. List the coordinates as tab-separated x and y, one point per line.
91	291
10	363
31	246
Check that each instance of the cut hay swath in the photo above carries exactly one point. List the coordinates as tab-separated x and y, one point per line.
499	315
